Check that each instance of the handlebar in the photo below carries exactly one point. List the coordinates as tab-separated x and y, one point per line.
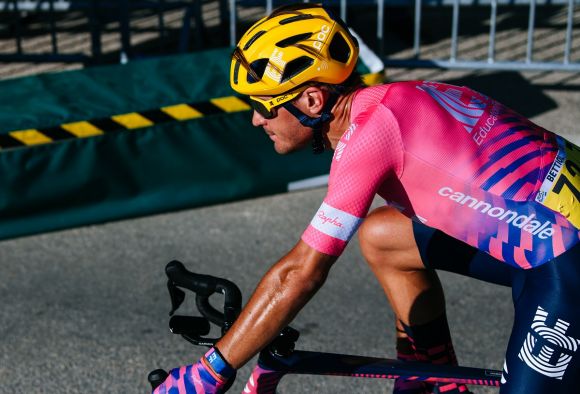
193	328
203	286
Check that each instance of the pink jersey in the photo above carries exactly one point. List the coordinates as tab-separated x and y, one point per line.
457	161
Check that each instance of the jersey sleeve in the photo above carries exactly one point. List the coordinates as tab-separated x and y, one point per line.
369	153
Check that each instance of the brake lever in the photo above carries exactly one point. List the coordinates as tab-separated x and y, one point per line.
177	296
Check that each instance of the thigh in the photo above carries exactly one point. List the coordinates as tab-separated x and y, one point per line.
439	251
543	352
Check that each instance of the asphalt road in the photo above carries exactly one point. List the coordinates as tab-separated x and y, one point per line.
86	310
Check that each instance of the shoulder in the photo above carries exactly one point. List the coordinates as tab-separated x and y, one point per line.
373	138
399	97
379	93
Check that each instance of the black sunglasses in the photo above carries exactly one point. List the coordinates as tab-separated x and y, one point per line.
267	107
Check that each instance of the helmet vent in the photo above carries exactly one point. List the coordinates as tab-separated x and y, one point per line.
253	39
296	18
258	66
293	40
296	66
339	49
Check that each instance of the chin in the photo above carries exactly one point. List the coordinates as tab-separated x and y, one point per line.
284	150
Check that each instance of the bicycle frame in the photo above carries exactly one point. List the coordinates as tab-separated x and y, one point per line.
270	370
279	358
273	366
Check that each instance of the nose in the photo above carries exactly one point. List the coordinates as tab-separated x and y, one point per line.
257	119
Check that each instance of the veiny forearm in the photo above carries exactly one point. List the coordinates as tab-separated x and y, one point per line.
279	296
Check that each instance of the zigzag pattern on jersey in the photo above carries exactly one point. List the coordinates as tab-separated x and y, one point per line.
520	248
510	171
501	243
510	156
512	168
466	113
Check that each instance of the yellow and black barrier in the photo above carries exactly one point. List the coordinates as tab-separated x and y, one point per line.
122	122
133	120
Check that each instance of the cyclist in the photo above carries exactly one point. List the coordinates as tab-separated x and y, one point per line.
471	187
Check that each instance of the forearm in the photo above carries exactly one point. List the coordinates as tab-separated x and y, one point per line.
279	296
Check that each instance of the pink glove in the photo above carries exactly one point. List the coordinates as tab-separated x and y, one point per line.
209	375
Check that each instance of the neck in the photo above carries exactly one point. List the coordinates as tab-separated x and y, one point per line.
340	119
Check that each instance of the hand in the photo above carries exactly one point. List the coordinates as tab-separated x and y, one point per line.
191	379
210	375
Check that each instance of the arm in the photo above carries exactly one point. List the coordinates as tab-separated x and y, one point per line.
279	296
372	150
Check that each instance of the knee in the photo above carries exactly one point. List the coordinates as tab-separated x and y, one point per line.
385	230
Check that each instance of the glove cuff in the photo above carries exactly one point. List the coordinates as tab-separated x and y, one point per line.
218	364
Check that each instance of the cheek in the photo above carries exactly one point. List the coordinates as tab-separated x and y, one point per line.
282	126
288	132
289	129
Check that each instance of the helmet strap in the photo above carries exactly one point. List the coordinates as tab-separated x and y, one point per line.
316	124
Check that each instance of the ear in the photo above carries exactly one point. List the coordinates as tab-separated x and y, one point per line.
312	101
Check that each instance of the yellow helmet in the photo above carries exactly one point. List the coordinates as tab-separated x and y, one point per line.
294	45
